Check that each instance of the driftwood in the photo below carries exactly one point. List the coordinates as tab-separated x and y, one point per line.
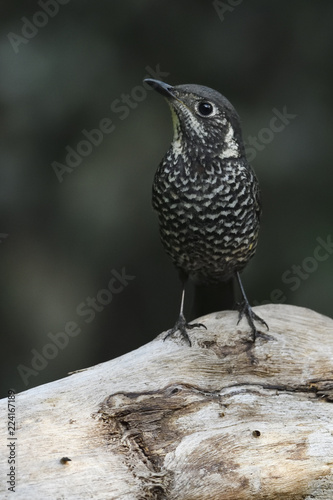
223	419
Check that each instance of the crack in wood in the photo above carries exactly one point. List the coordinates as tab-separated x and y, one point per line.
146	424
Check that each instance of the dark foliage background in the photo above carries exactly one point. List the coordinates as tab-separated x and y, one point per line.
64	238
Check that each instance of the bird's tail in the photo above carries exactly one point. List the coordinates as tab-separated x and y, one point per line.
212	298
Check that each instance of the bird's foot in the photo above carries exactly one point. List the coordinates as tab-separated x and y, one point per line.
182	326
246	310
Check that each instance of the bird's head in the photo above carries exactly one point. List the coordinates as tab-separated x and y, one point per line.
203	119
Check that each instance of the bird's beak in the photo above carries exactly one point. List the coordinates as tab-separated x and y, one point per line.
163	88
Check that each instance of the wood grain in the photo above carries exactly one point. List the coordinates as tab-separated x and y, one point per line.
223	420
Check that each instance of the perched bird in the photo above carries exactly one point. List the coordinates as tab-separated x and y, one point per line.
206	194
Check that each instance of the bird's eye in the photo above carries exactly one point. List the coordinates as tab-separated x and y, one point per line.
205	108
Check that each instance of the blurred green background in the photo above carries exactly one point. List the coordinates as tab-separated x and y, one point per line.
79	62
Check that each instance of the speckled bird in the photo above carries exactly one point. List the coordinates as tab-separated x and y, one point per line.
206	194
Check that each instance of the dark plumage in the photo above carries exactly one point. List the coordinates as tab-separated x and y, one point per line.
205	192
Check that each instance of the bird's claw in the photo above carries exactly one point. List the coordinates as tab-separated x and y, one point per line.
181	325
247	311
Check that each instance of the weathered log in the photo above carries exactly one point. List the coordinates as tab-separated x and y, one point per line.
224	419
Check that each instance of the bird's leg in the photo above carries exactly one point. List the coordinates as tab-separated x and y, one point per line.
246	309
181	323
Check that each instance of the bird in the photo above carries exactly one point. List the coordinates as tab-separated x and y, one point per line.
206	196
